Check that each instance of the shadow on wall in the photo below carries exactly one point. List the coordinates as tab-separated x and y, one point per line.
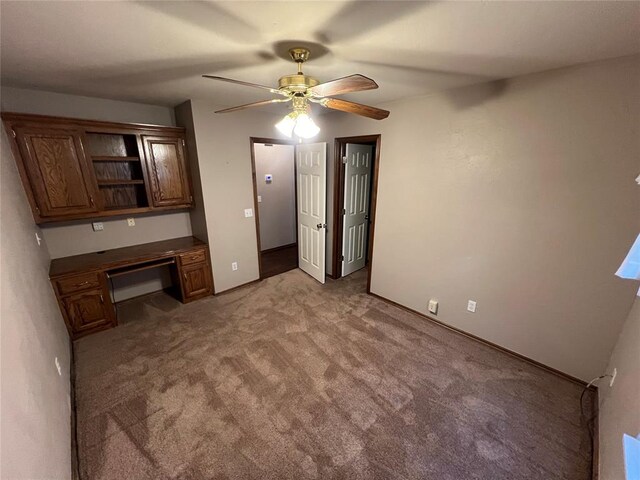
472	96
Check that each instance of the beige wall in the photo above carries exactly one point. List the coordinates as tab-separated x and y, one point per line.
224	159
36	415
278	206
519	195
619	412
184	118
78	237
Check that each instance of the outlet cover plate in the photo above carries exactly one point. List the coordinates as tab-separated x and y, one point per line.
471	306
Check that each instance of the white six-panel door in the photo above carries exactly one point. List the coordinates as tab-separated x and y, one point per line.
311	169
357	177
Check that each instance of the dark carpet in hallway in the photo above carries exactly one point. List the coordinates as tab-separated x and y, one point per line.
289	379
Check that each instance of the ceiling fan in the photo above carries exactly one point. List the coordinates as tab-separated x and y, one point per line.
300	89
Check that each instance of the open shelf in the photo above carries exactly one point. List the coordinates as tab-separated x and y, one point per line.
113	158
120	182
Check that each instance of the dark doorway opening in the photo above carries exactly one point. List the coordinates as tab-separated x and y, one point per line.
339	200
274	201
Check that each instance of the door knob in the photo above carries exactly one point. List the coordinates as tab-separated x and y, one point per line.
321	225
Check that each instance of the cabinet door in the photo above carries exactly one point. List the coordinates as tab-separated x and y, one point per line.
167	169
196	281
88	310
57	169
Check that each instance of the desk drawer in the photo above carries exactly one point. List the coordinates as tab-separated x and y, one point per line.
78	283
196	256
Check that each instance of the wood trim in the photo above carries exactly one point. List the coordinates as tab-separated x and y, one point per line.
113	127
281	247
338	195
595	453
256	213
75	457
238	287
115	213
495	346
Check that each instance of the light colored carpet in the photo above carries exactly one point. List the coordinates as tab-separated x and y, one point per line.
289	379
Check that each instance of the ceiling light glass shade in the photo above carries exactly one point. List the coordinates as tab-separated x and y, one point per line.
305	126
285	126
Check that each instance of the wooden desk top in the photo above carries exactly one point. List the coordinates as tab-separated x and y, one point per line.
119	257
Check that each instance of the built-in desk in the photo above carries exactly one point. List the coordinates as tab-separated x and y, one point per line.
82	288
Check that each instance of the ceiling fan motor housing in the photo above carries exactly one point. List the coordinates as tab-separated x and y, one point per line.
297	83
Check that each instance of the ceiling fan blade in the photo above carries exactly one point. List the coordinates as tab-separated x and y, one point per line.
357	108
246	84
339	86
255	104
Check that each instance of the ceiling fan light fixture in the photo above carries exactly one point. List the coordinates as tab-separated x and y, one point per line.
286	125
305	126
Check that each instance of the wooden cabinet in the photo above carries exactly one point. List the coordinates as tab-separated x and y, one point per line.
195	275
85	303
73	169
60	179
88	311
81	286
167	170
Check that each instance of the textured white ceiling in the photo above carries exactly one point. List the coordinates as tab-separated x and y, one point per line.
155	52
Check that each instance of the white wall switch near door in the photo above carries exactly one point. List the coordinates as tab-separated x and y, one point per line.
433	306
248	212
98	226
471	306
131	222
234	266
259	198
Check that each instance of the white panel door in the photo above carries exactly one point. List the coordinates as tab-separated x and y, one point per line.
357	178
311	169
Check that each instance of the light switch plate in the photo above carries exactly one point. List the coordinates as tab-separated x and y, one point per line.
98	226
131	222
248	212
433	306
471	306
259	198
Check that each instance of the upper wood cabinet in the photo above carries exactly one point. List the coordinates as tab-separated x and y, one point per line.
167	170
60	178
73	169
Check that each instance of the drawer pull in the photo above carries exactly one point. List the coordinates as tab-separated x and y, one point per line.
195	257
82	284
101	299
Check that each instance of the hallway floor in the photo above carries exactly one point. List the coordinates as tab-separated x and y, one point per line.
275	262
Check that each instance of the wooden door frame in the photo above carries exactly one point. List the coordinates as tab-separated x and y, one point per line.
338	199
252	142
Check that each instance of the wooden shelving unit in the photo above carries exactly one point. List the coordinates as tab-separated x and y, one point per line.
116	163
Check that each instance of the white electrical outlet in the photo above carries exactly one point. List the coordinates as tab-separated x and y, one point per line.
433	306
98	226
234	266
259	198
613	377
131	222
58	366
471	306
248	212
